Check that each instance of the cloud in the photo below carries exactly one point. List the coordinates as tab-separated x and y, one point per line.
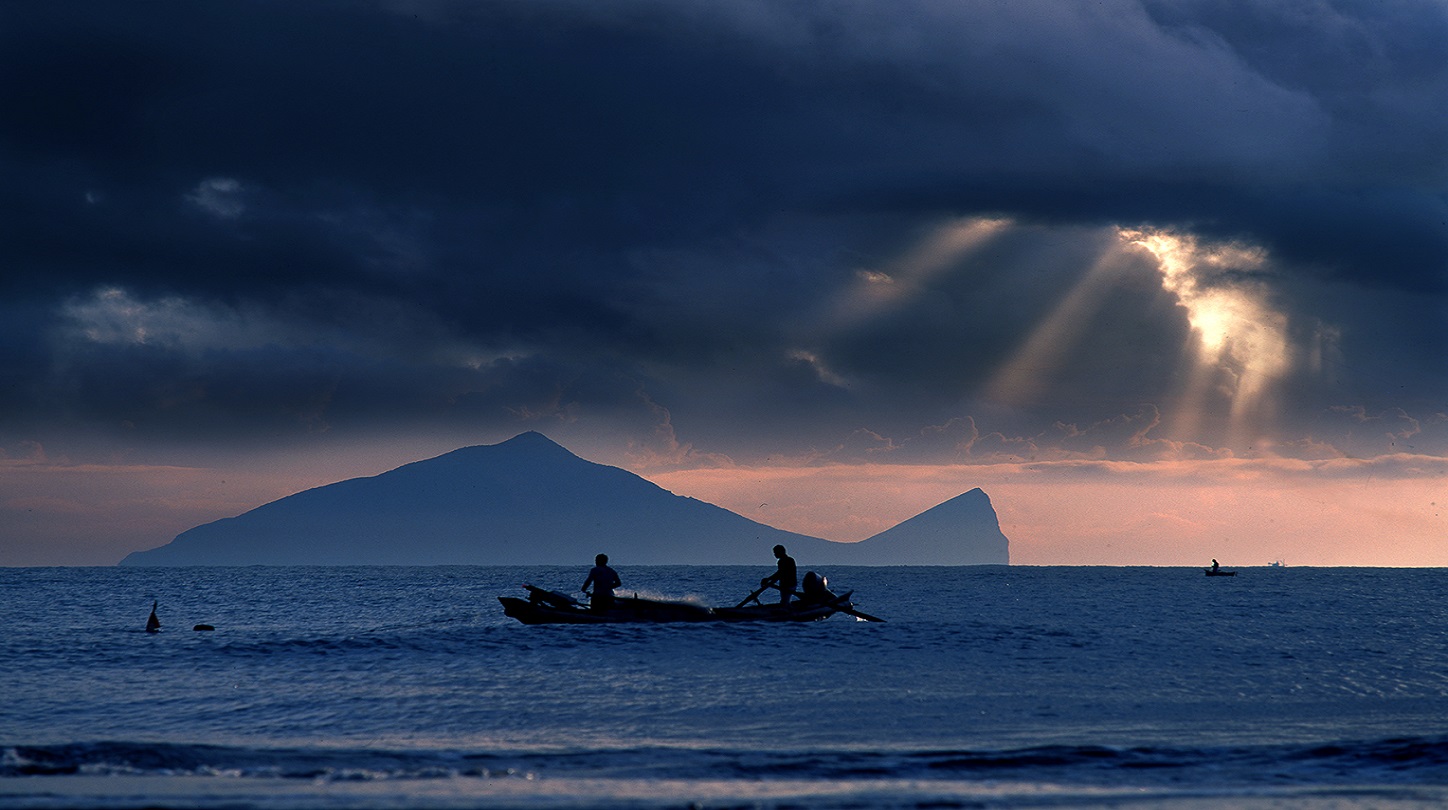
218	196
1360	433
729	231
604	124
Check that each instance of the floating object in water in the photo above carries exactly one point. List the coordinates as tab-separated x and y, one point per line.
203	627
153	624
1219	572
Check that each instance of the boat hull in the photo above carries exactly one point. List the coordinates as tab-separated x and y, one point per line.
548	607
624	611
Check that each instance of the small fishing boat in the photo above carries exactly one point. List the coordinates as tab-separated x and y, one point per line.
814	603
1219	572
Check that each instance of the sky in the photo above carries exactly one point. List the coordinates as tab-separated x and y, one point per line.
1168	280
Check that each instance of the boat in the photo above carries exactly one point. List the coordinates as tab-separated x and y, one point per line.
813	603
1220	572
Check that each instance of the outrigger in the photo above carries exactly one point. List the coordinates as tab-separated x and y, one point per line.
812	603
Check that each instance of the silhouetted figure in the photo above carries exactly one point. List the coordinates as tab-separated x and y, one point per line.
1215	566
785	578
604	580
153	624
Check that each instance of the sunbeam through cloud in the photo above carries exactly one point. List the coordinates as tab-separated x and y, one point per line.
1241	350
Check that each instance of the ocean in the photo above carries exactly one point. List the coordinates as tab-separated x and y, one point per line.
997	687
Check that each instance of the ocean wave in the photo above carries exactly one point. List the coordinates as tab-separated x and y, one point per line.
1404	761
1387	760
166	759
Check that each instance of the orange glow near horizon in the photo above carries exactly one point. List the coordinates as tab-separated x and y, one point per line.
1181	513
1350	512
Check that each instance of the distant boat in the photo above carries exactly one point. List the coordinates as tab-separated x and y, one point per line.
1275	564
1220	572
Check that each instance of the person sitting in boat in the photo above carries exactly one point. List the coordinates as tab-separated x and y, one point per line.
1215	566
785	578
604	580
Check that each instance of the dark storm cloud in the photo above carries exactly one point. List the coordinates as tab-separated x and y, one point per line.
573	203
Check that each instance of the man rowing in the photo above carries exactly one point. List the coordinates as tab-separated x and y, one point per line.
785	578
604	580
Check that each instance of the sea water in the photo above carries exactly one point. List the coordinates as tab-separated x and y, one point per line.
988	686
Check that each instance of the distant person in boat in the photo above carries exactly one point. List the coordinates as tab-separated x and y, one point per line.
1215	566
785	578
604	580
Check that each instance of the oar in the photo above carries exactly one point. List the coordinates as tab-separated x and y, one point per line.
553	596
753	596
867	617
851	611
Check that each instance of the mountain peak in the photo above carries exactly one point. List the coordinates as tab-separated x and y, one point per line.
530	501
971	499
530	446
530	441
961	531
524	501
529	438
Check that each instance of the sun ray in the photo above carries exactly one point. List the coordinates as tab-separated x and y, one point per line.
1240	341
1025	375
878	289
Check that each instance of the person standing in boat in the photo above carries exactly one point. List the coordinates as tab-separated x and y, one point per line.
1215	566
604	580
785	578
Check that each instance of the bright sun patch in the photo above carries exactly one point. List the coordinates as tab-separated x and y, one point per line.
1237	354
1242	347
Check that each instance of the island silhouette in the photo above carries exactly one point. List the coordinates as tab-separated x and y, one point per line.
529	501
